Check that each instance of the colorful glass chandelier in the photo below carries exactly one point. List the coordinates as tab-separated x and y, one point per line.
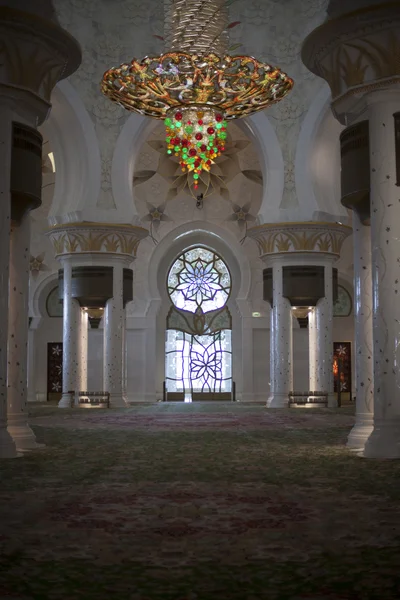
196	87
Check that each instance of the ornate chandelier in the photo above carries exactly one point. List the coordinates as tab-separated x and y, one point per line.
196	87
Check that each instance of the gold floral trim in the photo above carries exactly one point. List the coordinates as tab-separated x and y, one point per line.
317	237
78	238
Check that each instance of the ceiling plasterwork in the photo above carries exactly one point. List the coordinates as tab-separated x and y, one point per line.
272	30
231	192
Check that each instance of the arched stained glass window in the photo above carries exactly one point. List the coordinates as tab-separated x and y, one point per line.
199	342
199	279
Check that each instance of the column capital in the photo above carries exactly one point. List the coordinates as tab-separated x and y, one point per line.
356	53
384	96
24	102
78	242
315	239
36	51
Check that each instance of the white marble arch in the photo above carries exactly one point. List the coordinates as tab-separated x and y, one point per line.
317	163
262	134
257	127
42	329
133	135
189	235
74	142
38	297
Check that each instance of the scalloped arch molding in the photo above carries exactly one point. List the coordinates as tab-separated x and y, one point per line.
317	162
137	129
78	162
199	233
77	156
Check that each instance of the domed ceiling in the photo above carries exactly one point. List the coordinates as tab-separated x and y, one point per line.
230	194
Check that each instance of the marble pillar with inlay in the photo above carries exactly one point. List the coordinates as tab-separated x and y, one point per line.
83	324
124	361
384	441
324	340
17	375
271	357
282	341
71	335
31	366
363	335
114	325
7	445
312	350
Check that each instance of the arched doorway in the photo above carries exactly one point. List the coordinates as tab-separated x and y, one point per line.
198	351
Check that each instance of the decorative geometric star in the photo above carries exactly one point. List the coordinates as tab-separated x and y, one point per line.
36	264
155	216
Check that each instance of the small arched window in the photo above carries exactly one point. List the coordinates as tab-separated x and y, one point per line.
54	305
343	305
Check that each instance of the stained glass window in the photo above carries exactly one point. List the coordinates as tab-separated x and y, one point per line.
199	363
199	278
199	340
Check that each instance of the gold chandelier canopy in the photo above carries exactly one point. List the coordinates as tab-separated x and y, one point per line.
236	85
196	92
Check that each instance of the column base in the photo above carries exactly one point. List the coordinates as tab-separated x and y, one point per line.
332	401
7	445
118	401
66	400
384	441
361	431
278	401
23	437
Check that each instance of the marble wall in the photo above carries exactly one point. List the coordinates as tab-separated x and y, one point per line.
140	373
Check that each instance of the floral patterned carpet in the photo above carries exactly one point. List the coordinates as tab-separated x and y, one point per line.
198	502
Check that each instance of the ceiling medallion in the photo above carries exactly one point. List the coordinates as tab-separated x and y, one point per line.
196	88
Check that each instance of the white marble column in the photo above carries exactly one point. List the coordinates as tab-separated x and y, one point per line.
17	374
83	322
282	342
71	331
124	360
7	445
271	358
114	325
384	442
363	335
312	351
324	339
242	340
31	366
